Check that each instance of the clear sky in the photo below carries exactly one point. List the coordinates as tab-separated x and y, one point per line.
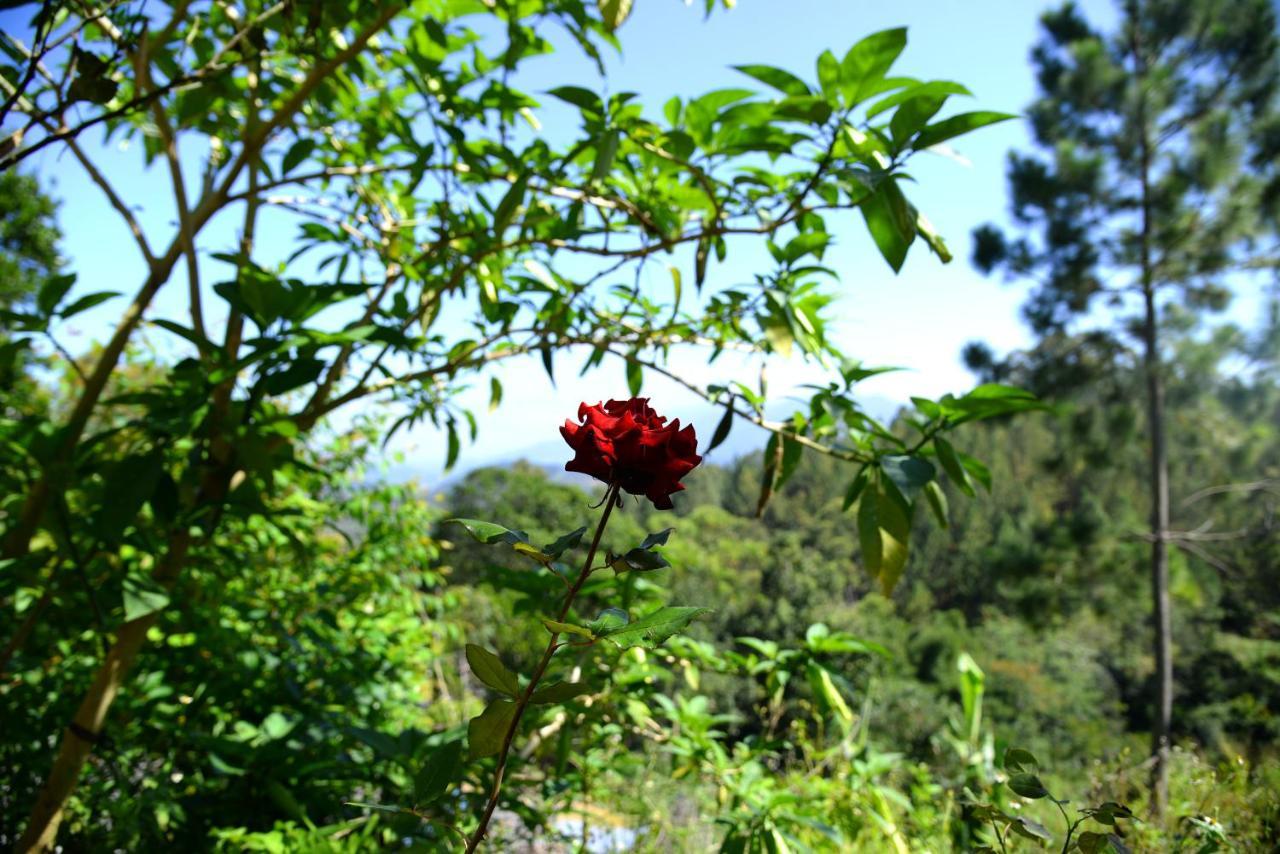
918	319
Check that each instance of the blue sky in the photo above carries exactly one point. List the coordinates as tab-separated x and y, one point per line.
918	319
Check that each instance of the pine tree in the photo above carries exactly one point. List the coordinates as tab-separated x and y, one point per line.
1154	186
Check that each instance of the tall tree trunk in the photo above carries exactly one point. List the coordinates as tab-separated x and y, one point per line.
1158	480
1162	702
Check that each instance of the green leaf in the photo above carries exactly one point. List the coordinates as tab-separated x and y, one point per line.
791	453
606	150
487	731
856	486
828	73
490	670
299	372
977	470
52	292
783	81
563	544
389	808
722	429
1028	786
657	538
566	628
912	115
583	99
608	620
888	219
442	768
1091	842
868	61
510	201
1024	826
639	560
932	89
614	12
489	533
803	244
297	153
129	483
1108	812
909	474
652	630
495	393
951	465
869	532
142	596
1019	761
454	446
937	503
884	532
635	377
829	696
87	302
559	692
957	125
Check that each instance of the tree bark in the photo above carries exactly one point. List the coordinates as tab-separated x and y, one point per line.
1158	477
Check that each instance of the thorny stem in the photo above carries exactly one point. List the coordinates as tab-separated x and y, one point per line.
522	703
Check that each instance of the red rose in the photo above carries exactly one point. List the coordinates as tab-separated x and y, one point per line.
627	443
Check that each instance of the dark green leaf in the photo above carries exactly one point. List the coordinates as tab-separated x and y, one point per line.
490	670
884	212
559	692
488	730
652	630
856	486
454	445
657	538
297	153
52	292
639	560
563	544
783	81
1024	826
937	503
957	125
635	377
722	429
129	483
951	465
1019	761
1090	842
507	206
609	619
441	769
1028	786
86	302
909	474
300	372
584	99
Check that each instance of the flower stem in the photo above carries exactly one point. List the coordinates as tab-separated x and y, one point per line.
552	645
